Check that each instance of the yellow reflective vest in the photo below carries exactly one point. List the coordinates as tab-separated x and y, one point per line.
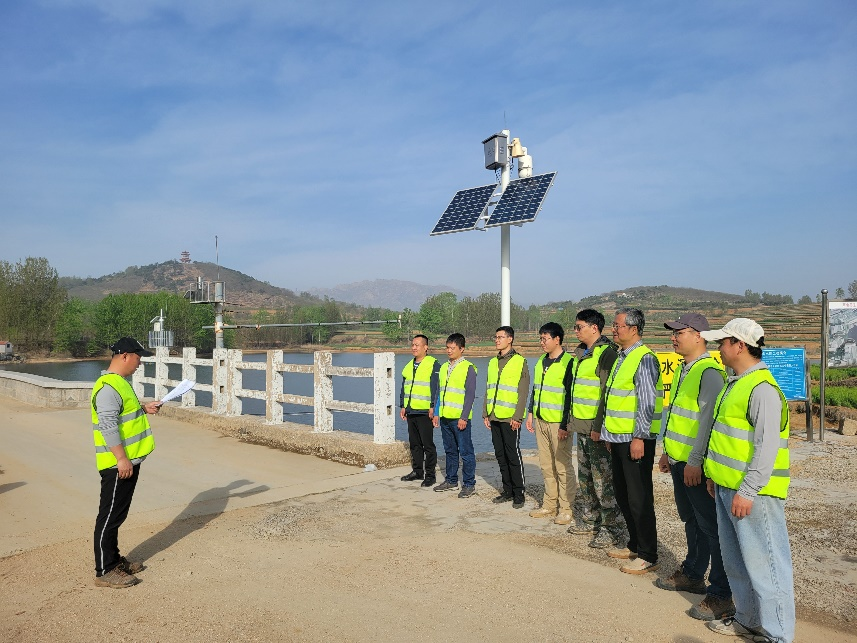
548	389
134	430
502	391
682	424
417	384
452	390
621	398
730	447
586	385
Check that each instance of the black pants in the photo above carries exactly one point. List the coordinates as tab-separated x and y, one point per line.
116	495
507	450
421	437
632	480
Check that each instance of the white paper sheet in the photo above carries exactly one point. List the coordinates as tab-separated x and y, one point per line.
183	387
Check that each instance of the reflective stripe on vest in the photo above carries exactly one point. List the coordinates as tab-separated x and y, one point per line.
452	391
621	401
417	386
134	431
586	386
502	397
730	447
682	425
548	390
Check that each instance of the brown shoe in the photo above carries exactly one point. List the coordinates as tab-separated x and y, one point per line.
562	519
639	567
542	512
622	554
713	608
117	578
679	582
129	567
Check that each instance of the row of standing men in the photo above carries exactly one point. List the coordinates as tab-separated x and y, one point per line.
725	443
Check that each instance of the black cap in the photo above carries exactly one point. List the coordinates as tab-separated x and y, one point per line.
691	320
130	345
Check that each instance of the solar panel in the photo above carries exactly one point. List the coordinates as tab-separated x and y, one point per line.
464	210
521	200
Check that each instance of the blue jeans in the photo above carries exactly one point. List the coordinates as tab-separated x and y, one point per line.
698	512
458	443
758	561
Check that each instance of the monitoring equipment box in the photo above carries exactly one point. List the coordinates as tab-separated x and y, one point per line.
496	151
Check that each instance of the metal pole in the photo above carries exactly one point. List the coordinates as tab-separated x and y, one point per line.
218	325
505	251
823	364
808	407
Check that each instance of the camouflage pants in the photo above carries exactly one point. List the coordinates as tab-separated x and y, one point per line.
595	503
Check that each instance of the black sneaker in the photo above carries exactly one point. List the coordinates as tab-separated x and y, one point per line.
428	482
445	486
501	498
413	475
518	503
466	492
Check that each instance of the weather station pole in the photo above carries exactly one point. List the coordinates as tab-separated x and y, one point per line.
505	254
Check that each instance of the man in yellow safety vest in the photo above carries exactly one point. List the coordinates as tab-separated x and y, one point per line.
123	439
505	407
548	419
747	465
632	419
687	426
416	402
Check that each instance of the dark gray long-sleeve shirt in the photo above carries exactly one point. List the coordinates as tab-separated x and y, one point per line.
523	389
469	388
433	385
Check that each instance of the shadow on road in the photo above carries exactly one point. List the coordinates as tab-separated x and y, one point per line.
193	517
11	485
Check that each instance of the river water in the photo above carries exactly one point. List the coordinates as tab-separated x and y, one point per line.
353	389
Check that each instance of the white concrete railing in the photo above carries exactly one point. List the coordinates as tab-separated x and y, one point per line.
227	388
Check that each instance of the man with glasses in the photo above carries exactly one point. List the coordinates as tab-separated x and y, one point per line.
747	465
632	420
504	411
686	430
596	513
416	403
549	404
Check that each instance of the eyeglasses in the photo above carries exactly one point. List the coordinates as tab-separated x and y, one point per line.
542	340
618	326
677	333
497	338
579	327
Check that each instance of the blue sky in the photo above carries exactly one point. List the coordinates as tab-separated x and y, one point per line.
702	144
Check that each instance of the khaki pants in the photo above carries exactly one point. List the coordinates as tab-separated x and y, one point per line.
557	468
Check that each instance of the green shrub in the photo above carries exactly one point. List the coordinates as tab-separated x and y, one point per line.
837	396
833	374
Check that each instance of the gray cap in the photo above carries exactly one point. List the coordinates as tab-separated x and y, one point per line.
690	320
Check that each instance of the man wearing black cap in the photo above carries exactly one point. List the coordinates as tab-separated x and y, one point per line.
687	428
123	439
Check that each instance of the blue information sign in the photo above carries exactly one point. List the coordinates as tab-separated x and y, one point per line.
788	367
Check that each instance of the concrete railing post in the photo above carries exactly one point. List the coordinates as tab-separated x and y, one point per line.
273	388
219	368
162	373
384	398
234	382
322	391
189	373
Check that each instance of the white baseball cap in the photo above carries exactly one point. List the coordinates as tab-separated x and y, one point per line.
741	328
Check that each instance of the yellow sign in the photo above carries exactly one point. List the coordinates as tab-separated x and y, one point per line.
671	365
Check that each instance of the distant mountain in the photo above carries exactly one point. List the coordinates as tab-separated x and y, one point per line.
655	297
176	277
385	293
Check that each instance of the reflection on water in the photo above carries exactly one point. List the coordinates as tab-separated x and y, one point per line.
352	389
